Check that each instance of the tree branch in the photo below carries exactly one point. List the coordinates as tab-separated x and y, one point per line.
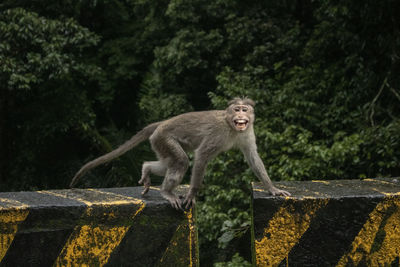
372	107
394	92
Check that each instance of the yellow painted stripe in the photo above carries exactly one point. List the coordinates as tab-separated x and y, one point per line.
362	245
174	252
377	181
284	231
92	245
11	218
64	195
321	181
259	190
12	204
155	188
192	234
116	199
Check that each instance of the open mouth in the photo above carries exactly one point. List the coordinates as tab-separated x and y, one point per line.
241	124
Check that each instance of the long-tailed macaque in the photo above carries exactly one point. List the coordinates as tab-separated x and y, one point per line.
207	133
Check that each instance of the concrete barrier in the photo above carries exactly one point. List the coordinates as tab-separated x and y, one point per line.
323	223
95	227
328	223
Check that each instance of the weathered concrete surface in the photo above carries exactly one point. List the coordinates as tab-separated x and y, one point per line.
95	227
328	223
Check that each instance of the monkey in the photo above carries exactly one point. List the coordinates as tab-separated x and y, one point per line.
206	133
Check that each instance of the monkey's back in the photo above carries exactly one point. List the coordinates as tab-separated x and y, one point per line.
191	128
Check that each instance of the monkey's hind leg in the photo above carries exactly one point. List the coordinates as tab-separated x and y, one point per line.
170	152
155	167
172	179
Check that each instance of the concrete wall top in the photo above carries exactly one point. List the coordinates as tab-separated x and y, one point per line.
334	188
83	197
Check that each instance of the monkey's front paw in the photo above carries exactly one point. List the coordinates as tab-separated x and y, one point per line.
278	192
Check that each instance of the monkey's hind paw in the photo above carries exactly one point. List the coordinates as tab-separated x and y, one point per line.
145	190
190	202
175	202
146	184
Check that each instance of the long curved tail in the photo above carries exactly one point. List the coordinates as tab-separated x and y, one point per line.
141	136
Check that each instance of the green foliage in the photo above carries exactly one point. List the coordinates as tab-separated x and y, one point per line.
35	49
168	104
294	155
42	67
226	199
80	77
236	261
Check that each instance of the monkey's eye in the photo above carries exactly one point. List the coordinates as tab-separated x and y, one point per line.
236	109
244	109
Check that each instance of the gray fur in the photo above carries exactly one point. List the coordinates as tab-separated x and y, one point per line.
206	133
242	101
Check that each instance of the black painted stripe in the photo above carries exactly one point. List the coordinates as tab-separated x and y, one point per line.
332	232
41	236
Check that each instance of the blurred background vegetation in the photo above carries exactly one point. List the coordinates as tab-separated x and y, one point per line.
77	78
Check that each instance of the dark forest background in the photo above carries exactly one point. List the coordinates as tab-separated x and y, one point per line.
78	78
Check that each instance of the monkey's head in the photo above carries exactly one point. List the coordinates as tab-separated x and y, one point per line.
240	113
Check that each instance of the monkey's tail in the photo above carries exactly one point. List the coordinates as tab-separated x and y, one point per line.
141	136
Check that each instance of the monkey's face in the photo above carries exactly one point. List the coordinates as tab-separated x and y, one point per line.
240	116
